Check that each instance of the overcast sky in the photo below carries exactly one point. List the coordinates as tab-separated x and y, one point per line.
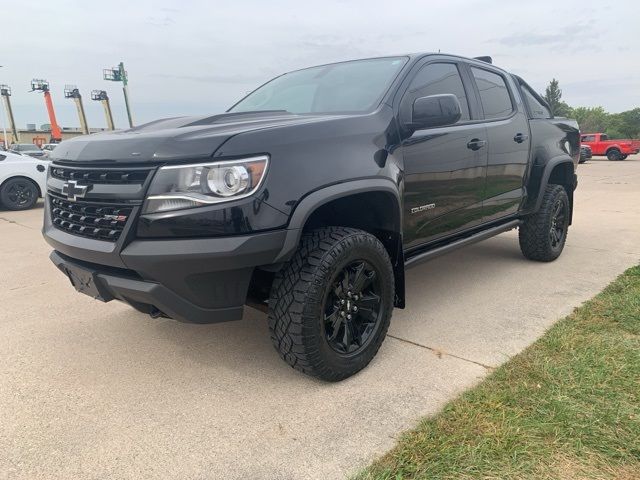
198	57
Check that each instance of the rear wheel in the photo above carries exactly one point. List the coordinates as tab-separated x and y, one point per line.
330	306
543	235
623	157
18	194
614	155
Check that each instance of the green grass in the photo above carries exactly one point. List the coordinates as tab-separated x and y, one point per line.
566	407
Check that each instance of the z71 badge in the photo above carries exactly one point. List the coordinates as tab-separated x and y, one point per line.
422	208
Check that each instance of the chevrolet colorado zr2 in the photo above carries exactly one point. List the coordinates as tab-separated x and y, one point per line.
310	197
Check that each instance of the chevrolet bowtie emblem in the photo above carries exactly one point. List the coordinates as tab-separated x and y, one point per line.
74	191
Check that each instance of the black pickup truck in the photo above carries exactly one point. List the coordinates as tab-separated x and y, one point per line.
310	197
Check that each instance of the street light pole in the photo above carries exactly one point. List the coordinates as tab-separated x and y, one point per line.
4	126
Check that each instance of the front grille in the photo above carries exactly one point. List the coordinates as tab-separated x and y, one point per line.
100	221
101	176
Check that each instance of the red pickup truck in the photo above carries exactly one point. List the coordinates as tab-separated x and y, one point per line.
612	149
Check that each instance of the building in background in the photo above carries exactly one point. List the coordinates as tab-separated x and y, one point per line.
40	136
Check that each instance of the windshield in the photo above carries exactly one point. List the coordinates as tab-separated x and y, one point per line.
356	86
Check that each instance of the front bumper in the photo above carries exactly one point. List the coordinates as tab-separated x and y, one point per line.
192	280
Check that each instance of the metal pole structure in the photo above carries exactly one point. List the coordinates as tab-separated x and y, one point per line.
101	95
125	90
5	91
71	91
119	74
108	114
4	127
43	86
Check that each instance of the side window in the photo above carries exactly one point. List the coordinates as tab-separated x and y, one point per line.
494	94
537	109
588	138
604	138
435	79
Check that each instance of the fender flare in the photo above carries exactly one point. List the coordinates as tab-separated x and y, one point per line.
317	198
548	168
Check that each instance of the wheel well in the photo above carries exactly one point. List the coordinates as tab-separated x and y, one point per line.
377	213
26	178
563	174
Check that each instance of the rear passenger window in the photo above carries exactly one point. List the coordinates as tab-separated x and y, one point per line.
537	109
437	79
588	138
494	94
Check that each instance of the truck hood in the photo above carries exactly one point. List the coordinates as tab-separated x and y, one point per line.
173	139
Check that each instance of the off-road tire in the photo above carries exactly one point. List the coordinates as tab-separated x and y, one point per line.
614	155
18	193
298	295
623	157
535	233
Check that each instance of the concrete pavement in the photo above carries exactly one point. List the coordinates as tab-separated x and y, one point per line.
92	390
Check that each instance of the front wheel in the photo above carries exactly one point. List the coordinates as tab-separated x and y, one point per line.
331	304
18	194
542	235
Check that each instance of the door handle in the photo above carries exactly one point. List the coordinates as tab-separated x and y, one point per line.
520	137
476	144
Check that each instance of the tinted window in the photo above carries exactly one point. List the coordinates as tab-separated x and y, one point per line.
356	86
604	138
537	109
436	79
494	94
588	138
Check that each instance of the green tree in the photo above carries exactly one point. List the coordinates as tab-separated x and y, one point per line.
591	119
628	123
553	96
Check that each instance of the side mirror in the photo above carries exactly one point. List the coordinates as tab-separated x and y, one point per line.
435	111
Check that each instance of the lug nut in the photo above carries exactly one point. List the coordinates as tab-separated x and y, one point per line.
341	313
349	317
342	302
355	309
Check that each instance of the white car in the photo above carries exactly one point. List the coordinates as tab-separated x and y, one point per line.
22	180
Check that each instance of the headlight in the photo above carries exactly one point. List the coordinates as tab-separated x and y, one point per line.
176	187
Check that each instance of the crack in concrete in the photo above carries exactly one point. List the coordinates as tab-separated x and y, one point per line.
595	249
16	223
21	287
440	353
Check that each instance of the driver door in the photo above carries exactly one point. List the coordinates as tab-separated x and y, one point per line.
445	167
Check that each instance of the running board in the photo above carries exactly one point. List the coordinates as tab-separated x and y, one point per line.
463	242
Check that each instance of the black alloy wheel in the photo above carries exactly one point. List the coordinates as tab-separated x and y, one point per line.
558	224
352	308
18	194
